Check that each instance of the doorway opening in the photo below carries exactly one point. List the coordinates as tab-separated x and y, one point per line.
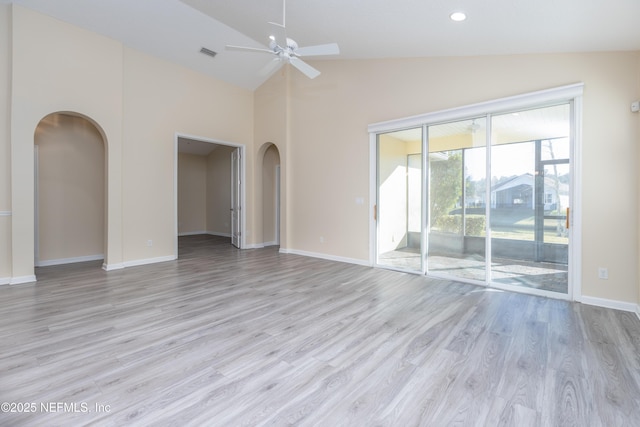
209	190
70	190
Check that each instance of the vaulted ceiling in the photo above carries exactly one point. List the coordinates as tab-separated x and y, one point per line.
176	29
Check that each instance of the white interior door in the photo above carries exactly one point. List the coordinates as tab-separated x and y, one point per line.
235	198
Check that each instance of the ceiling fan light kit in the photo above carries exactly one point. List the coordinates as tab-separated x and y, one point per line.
290	52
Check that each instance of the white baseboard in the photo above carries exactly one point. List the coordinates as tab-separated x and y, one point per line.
638	311
138	262
22	279
365	263
5	280
260	245
191	233
609	303
111	267
69	260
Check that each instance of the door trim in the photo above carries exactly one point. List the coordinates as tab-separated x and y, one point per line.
236	197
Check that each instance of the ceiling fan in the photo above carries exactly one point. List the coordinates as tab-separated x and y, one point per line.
287	50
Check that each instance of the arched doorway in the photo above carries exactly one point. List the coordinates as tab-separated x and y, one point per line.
271	196
70	190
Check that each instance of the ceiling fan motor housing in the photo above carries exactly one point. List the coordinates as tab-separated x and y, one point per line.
291	44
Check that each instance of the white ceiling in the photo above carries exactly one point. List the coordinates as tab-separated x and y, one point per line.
177	29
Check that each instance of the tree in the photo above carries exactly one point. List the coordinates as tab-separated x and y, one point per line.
446	184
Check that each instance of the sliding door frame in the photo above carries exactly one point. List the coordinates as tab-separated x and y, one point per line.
571	94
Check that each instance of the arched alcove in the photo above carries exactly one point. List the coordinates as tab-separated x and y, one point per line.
270	194
70	190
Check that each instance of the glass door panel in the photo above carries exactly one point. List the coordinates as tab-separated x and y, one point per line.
399	207
457	199
515	190
530	180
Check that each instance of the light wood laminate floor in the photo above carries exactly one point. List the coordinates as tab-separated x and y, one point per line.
224	337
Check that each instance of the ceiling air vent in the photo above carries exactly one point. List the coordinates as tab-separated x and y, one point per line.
208	52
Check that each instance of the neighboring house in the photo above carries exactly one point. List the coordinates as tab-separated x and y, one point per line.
519	191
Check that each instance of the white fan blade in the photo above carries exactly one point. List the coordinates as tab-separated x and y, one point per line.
304	68
250	49
270	67
318	50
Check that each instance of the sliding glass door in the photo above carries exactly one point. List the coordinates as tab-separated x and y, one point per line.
488	202
530	198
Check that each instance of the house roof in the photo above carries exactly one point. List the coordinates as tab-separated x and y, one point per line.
177	29
527	179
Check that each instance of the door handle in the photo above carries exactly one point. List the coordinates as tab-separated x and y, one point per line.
567	224
375	212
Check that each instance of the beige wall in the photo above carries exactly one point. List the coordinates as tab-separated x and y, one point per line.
219	191
192	194
272	112
329	159
5	142
160	99
270	161
393	192
71	188
204	192
139	103
57	67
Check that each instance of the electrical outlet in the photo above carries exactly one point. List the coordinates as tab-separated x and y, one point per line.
321	239
603	273
149	242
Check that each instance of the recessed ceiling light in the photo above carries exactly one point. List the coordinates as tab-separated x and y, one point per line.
458	16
